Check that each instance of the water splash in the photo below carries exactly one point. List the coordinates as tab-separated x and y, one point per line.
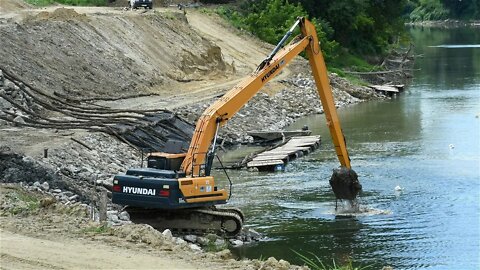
353	208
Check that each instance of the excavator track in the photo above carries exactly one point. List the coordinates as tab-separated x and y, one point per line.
222	221
233	210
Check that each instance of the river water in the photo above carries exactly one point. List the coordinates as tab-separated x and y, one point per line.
426	141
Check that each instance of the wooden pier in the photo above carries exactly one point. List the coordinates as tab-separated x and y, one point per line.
388	89
276	159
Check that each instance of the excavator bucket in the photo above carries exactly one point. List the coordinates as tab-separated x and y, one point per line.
345	184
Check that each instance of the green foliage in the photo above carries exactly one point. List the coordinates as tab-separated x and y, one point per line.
345	28
40	3
212	247
21	202
68	2
316	264
424	10
100	229
352	62
464	9
363	27
271	19
429	10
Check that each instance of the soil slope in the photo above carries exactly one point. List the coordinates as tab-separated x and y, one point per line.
104	54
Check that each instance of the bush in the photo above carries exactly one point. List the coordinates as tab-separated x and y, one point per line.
429	10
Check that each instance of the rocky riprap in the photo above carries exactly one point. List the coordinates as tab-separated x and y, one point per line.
214	242
72	166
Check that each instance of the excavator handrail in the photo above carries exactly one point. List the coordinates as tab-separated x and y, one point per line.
229	104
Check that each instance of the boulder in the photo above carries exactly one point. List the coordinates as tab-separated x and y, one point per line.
190	238
167	234
124	216
195	247
45	186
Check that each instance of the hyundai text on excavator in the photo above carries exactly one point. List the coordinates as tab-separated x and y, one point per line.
177	191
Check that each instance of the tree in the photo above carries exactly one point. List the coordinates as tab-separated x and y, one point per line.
360	25
463	9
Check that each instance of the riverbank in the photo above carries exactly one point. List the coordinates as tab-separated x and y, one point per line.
446	23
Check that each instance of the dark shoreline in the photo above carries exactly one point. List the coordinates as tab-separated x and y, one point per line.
445	23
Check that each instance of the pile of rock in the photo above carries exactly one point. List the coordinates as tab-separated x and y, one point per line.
214	242
71	172
65	197
16	94
95	165
118	218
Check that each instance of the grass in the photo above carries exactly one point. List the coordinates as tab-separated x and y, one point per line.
40	3
22	202
212	247
101	229
316	264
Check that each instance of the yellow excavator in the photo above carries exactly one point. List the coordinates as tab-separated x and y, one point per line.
177	191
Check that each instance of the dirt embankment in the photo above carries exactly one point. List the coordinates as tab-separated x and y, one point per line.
104	55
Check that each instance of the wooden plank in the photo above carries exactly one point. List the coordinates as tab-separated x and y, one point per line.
263	163
304	150
276	135
281	157
271	158
313	137
386	88
295	147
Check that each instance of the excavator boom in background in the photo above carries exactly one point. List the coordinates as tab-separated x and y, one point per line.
177	191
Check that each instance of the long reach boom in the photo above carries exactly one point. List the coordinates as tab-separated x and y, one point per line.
225	108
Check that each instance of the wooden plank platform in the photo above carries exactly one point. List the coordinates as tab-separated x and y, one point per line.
277	135
388	89
277	158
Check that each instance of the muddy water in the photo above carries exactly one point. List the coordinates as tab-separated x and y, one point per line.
426	142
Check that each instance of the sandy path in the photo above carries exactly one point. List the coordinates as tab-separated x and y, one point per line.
25	252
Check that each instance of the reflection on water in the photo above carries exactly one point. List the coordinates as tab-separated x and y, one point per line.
433	220
456	46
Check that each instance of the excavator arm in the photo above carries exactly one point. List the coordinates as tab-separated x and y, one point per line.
225	108
344	181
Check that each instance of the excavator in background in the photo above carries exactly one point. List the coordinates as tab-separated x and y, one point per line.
177	190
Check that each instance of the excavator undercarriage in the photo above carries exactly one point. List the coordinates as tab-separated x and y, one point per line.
221	221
